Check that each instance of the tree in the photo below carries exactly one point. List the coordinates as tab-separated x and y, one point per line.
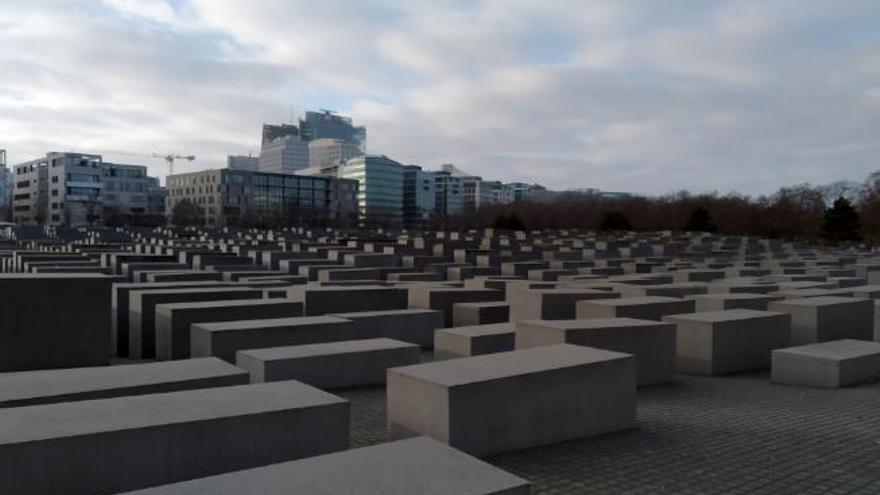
614	220
186	213
841	222
508	222
700	221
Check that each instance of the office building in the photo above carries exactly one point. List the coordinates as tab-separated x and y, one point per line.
7	186
283	149
229	197
380	187
81	189
330	152
419	196
450	194
327	124
241	162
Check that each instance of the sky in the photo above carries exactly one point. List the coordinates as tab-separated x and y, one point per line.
640	96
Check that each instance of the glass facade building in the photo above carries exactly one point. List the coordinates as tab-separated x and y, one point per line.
380	187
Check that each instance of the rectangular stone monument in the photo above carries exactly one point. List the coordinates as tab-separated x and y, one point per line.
722	342
420	466
224	339
651	342
474	340
480	313
173	320
416	326
142	311
125	443
641	308
495	403
350	363
100	382
820	319
54	321
832	364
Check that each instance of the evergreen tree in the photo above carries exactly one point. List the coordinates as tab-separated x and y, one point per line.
841	222
700	221
614	221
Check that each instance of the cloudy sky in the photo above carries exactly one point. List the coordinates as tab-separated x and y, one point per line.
642	96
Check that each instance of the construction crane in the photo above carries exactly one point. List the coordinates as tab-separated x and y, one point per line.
169	159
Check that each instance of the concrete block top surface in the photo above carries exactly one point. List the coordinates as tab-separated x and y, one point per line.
223	304
384	312
835	349
592	323
721	316
418	465
328	348
635	301
733	296
818	301
462	371
270	323
41	383
68	419
481	330
52	276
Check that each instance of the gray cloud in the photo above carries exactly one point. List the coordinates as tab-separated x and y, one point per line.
621	95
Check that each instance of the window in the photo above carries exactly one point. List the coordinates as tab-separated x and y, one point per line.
54	192
54	179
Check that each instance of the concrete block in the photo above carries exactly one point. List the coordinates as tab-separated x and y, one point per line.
173	320
641	308
72	384
820	319
495	403
125	443
224	339
413	466
480	313
142	311
351	363
721	302
722	342
443	298
832	364
54	321
550	304
474	340
415	326
651	342
326	300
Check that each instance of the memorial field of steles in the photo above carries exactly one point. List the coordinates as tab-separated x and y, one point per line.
295	361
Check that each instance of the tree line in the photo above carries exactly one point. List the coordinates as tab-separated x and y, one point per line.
841	212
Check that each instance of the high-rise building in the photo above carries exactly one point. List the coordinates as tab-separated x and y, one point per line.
380	187
240	197
419	195
328	152
7	185
241	162
327	124
79	189
450	194
283	149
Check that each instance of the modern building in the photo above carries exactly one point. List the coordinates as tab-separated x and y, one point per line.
419	196
241	162
474	196
329	152
450	194
80	189
283	149
7	186
327	124
380	187
229	197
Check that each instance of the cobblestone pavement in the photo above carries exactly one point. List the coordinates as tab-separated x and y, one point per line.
735	435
